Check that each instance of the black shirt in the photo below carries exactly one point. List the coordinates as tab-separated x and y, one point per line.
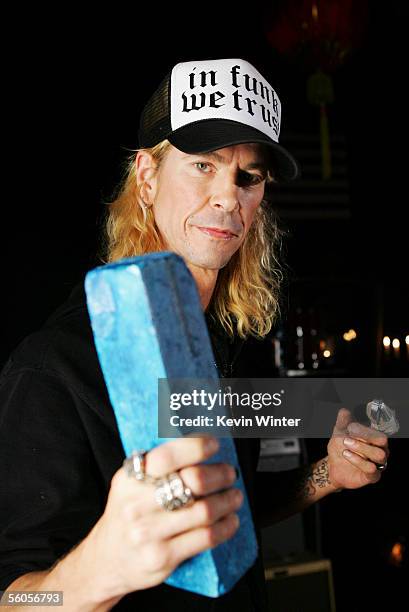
60	447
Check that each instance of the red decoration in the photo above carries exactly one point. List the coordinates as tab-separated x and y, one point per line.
320	34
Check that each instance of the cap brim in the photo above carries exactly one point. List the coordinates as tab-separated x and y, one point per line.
211	134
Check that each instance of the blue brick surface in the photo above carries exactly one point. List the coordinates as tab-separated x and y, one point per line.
148	323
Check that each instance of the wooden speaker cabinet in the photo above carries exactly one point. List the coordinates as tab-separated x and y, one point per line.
301	587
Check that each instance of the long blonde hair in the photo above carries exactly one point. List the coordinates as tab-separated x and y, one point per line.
245	299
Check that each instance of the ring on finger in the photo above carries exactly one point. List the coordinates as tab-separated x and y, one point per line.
135	466
171	493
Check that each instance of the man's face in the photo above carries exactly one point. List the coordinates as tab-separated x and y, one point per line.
196	195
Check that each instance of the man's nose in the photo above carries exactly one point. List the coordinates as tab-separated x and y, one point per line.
226	195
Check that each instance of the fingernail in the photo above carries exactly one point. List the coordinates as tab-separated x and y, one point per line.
212	445
238	496
349	441
347	453
235	520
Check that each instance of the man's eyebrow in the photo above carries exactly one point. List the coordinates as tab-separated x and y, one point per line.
256	165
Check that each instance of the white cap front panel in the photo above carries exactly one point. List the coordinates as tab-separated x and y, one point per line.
224	89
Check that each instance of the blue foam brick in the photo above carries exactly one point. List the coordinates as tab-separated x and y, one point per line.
148	323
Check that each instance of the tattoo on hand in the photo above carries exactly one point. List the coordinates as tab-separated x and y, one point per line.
312	478
321	473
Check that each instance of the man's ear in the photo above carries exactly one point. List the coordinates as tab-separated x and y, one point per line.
146	176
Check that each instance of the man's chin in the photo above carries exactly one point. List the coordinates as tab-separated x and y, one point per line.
209	263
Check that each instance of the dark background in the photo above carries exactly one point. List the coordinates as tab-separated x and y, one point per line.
74	86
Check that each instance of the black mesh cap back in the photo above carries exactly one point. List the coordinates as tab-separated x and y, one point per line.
155	124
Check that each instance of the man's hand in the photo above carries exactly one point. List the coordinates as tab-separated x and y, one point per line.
353	452
136	544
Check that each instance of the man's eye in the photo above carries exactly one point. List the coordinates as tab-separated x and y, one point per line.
246	179
203	166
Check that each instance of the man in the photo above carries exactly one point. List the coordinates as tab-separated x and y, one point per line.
72	518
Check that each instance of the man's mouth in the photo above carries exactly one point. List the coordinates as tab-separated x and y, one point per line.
216	232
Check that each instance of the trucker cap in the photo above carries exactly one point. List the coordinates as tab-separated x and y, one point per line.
201	106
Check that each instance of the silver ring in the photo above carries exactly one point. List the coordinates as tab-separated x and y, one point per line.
135	466
171	492
381	466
